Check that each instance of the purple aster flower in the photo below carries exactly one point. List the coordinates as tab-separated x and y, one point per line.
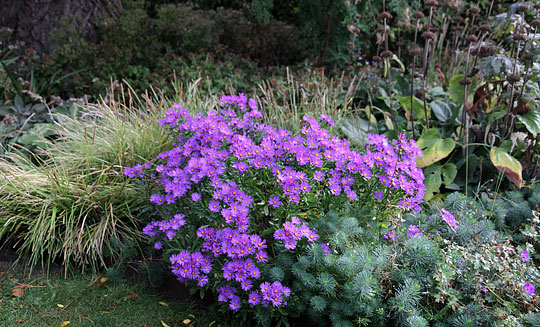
254	298
158	245
448	218
327	119
528	288
413	231
214	206
525	255
195	196
274	201
325	248
390	235
378	195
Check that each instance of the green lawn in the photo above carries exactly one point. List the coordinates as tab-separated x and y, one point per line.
89	301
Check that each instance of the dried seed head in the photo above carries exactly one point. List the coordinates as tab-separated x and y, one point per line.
535	23
458	19
465	81
383	29
522	108
474	28
513	78
350	45
386	54
357	16
376	58
428	35
431	3
357	30
520	37
350	68
471	38
474	11
399	43
418	15
400	24
528	56
485	27
384	15
483	51
420	93
415	52
459	28
522	8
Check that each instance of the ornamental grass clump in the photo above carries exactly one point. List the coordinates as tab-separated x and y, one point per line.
235	195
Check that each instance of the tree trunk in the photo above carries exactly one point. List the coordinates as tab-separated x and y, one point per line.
33	21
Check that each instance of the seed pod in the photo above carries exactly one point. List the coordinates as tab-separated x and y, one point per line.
386	54
522	8
471	38
350	45
535	23
399	43
431	3
474	11
465	81
415	52
376	58
520	37
384	15
513	78
428	35
418	15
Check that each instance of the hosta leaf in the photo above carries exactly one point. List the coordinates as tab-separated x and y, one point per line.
432	181
531	120
456	90
433	148
442	110
417	107
449	172
507	164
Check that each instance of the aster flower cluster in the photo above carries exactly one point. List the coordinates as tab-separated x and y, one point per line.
218	164
448	218
292	232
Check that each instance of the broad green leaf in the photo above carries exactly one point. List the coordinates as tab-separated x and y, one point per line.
432	181
417	106
441	110
388	121
456	90
449	172
356	129
433	148
507	164
531	120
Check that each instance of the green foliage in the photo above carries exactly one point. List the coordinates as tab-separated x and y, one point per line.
74	204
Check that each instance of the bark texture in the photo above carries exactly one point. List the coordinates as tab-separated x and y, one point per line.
33	21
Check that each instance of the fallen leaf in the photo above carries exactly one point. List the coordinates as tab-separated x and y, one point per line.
186	321
103	280
60	305
210	324
17	292
106	312
164	324
133	296
65	323
163	304
190	315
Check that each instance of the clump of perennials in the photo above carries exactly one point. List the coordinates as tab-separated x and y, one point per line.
229	177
